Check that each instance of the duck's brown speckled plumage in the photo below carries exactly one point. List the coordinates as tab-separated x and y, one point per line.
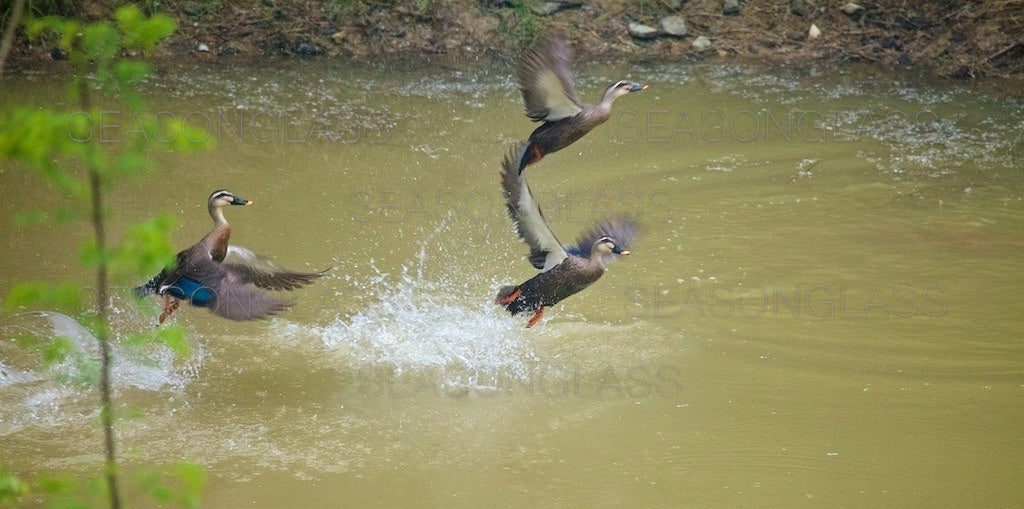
546	289
548	85
566	270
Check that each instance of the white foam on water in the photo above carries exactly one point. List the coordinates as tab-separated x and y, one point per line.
37	394
419	324
440	320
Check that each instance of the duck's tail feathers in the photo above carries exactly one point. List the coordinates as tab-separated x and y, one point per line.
148	288
529	154
510	297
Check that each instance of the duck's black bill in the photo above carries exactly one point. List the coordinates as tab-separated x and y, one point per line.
240	201
636	87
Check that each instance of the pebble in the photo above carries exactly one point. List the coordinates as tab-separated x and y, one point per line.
674	26
546	8
731	8
203	48
814	32
550	7
852	9
642	31
798	7
701	43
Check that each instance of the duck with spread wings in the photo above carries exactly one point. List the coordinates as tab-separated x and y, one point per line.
548	84
565	269
224	278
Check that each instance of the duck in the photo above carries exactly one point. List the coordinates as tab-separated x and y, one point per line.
224	278
548	84
565	269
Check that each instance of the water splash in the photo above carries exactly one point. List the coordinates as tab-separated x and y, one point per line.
46	395
430	320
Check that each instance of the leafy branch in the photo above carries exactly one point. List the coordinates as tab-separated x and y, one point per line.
61	147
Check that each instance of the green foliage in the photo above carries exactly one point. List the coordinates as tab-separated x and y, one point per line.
141	32
67	492
144	248
45	139
11	488
37	8
181	484
73	152
526	29
174	337
65	297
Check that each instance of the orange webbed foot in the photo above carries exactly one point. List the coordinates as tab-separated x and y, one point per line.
170	304
508	299
537	315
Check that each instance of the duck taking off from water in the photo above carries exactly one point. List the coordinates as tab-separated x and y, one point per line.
548	85
565	270
221	277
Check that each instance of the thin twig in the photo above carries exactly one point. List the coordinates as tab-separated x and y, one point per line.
102	311
12	27
1000	52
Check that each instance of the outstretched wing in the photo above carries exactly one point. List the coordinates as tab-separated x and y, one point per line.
547	81
623	230
208	284
259	271
237	301
545	249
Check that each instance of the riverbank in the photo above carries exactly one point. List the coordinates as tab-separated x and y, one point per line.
955	39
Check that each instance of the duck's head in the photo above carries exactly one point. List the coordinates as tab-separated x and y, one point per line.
622	88
222	198
606	246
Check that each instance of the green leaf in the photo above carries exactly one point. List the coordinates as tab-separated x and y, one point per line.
100	41
90	255
63	297
30	218
57	351
141	32
131	70
175	338
185	137
131	163
35	28
146	248
35	137
193	479
11	488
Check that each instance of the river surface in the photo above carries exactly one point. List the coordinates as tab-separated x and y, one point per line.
824	307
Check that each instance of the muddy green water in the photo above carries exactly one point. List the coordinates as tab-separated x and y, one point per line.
825	306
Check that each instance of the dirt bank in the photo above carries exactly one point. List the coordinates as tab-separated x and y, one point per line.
953	38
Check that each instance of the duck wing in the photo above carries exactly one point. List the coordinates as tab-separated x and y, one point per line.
547	81
545	249
237	301
259	271
623	230
208	284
